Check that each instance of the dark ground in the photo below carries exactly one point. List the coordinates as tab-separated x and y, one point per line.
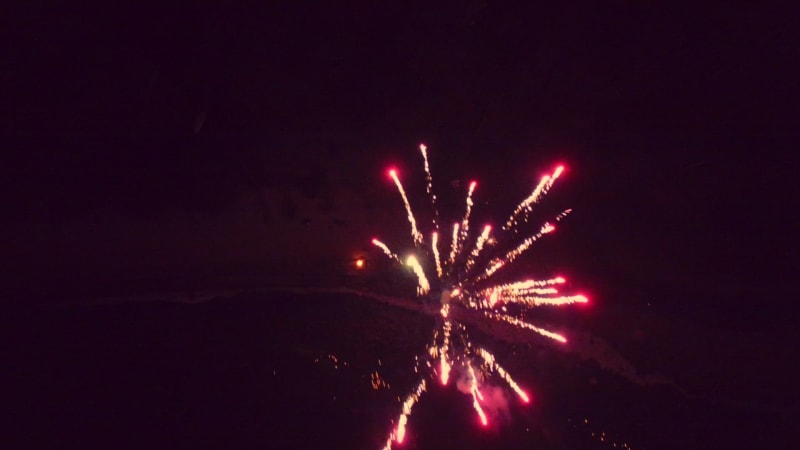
286	370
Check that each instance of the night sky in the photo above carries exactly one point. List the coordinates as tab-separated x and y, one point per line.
165	147
677	125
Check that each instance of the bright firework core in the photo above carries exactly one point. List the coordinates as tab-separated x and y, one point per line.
462	277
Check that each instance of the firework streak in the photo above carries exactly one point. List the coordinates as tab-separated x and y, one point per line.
464	279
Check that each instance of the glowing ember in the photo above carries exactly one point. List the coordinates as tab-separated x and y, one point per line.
464	281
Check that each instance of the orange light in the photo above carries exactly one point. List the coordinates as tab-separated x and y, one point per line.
360	263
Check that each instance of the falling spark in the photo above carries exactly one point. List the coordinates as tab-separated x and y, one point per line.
465	221
475	396
411	400
400	432
429	186
423	286
435	247
478	246
385	249
493	365
451	349
416	236
540	191
518	323
527	284
454	247
540	301
533	198
445	364
530	293
513	254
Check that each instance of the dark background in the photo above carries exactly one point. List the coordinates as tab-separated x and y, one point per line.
151	148
128	128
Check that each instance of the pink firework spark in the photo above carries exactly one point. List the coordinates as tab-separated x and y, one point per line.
464	280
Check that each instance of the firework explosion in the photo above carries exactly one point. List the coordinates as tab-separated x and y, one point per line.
464	279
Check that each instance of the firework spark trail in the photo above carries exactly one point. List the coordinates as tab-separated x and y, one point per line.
533	198
435	247
411	400
513	254
493	296
478	247
400	432
534	290
540	301
454	285
563	214
416	236
423	286
493	365
475	396
465	221
540	191
529	292
556	174
454	247
429	186
444	363
518	323
385	249
526	284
